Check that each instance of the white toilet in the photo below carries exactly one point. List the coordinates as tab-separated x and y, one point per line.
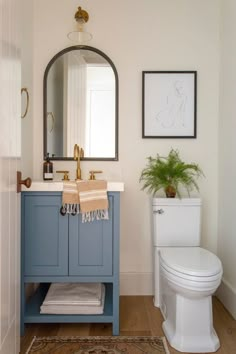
185	275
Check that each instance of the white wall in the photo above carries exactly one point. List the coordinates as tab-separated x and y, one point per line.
227	157
141	35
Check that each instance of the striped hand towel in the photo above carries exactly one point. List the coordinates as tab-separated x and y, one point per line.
70	198
93	200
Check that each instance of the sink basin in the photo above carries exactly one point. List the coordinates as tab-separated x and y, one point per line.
46	186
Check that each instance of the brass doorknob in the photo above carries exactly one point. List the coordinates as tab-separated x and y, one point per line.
27	182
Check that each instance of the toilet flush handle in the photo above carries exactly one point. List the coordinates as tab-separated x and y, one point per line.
158	211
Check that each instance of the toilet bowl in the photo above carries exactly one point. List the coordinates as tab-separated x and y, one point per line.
189	276
186	276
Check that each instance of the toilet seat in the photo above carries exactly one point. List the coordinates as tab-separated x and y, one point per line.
191	263
191	286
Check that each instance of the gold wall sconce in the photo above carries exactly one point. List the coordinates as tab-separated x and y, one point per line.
80	36
25	90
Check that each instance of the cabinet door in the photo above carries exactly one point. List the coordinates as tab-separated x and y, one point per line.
45	236
91	245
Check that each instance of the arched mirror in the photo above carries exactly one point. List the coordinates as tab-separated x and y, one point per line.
81	105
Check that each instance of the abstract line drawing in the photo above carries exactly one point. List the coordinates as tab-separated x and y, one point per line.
173	115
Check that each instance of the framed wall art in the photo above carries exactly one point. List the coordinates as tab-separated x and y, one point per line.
169	104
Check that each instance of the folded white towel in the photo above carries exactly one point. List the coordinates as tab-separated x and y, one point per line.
74	294
75	309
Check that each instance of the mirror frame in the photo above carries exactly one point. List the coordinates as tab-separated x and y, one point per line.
66	50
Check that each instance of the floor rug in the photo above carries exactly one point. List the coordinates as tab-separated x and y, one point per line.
98	345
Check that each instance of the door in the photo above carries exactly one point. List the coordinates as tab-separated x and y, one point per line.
45	235
91	245
10	89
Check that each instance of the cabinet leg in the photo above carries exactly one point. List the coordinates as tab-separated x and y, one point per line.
22	308
22	328
116	308
115	328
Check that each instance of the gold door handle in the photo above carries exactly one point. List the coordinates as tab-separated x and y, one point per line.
27	182
24	89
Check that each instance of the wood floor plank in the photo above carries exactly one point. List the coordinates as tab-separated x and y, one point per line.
100	329
133	316
155	318
138	317
225	327
74	329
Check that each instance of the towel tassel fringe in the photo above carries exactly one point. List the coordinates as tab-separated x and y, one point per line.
95	215
72	209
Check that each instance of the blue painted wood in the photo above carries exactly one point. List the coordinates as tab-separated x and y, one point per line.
62	249
69	278
91	245
116	265
22	307
22	283
45	236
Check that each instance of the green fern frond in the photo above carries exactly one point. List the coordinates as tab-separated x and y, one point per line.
162	172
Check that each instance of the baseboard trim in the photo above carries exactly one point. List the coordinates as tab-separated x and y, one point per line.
227	295
133	283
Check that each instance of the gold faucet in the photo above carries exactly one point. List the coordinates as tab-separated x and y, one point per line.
78	153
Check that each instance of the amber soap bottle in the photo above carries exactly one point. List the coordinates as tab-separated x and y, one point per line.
47	169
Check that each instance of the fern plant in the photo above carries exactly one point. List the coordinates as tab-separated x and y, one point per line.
169	173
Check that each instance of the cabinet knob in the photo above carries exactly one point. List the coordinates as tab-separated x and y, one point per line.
63	211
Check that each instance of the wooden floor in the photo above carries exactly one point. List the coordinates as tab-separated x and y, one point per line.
138	316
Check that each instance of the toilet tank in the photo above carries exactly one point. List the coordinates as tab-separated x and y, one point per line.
176	222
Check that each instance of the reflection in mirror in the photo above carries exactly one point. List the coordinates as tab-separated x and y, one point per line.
81	105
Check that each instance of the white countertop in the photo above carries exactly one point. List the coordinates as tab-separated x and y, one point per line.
51	186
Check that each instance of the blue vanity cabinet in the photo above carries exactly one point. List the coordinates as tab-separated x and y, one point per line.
58	248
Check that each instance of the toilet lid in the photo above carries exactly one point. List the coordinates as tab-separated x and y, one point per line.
193	261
